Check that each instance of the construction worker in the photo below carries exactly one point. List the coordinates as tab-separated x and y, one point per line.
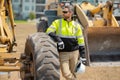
69	37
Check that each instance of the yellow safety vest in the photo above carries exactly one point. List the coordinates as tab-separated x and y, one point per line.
67	30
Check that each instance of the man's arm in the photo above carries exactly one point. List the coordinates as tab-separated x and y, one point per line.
51	32
80	38
55	37
52	29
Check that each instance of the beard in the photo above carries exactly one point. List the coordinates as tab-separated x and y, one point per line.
66	17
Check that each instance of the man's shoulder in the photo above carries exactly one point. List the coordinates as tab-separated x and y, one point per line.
78	25
75	22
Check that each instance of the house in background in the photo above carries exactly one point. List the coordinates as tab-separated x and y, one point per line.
22	8
16	4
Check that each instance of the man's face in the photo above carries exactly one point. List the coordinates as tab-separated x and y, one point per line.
66	13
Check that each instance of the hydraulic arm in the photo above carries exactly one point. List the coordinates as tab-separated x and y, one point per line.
7	34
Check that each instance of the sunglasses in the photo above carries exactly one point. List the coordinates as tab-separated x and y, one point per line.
65	12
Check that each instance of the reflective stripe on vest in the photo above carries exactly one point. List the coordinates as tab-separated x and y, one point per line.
60	27
59	32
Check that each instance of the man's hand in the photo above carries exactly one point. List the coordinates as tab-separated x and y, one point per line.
60	45
83	60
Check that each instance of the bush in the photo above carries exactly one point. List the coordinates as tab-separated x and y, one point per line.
32	15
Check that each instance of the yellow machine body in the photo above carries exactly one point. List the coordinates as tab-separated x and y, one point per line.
9	60
101	31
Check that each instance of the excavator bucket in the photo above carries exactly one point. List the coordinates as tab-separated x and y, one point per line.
103	43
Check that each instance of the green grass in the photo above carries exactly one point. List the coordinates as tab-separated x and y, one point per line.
21	21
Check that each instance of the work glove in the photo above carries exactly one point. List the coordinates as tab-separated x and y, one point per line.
82	51
55	37
82	54
60	45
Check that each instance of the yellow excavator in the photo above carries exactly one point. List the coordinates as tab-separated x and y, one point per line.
101	31
9	60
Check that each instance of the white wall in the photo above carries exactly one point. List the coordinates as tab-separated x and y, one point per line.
27	7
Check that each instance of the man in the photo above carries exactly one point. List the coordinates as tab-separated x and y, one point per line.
68	35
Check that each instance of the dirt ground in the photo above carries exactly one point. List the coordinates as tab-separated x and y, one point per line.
92	73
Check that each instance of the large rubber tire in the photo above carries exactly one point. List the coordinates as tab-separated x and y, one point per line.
45	57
